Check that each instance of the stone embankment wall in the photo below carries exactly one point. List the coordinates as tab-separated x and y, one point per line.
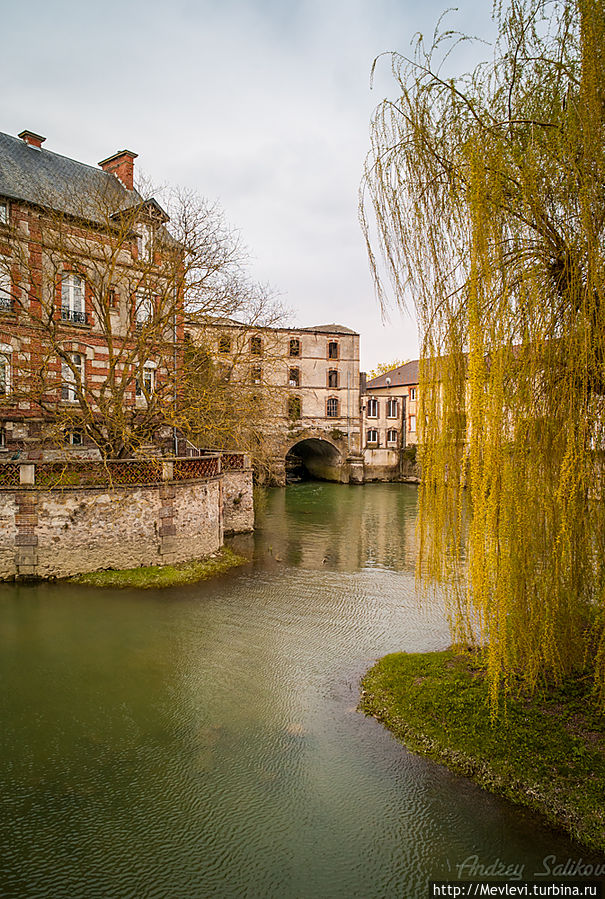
53	525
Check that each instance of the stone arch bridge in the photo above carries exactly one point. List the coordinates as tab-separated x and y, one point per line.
319	454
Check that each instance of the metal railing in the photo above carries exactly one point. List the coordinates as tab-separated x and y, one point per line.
74	316
118	472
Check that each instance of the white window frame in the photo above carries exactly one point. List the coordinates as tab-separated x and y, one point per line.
73	297
69	380
372	407
392	441
412	393
6	299
412	424
4	212
392	404
6	356
143	311
372	437
145	380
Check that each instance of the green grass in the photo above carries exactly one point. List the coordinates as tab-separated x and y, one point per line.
163	575
545	752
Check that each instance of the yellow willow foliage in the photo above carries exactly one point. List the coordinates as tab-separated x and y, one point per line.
489	196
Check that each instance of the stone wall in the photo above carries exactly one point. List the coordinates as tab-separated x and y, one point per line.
64	530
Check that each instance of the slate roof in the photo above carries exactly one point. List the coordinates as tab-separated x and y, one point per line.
328	329
44	178
400	377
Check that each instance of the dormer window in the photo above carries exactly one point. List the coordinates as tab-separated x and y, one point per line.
145	243
72	299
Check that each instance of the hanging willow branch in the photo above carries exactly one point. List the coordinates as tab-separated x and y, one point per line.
489	197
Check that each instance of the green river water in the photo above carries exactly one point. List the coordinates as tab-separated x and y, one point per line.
204	741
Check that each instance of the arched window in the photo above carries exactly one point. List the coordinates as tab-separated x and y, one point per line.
72	299
392	436
332	407
372	437
224	344
332	350
391	408
332	378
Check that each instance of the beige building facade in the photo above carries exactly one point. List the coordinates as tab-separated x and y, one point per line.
308	385
389	424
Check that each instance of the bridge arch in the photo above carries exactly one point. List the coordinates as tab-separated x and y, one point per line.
315	457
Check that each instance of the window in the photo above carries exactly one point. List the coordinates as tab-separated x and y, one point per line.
2	438
332	407
294	408
224	344
412	393
3	213
294	346
6	301
332	350
372	408
412	424
332	378
145	381
392	436
145	243
294	377
372	436
256	346
73	436
72	300
5	373
391	408
143	309
71	376
256	374
112	298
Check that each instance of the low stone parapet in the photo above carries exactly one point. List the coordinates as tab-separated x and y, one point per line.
64	518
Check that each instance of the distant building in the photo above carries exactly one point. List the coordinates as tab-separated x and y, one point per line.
308	382
389	422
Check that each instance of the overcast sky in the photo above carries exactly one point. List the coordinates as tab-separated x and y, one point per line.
263	104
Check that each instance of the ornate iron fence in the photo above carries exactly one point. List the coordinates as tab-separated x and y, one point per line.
196	467
9	474
232	461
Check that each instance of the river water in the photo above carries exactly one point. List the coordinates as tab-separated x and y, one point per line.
204	741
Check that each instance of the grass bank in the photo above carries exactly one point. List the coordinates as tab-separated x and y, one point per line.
545	752
163	575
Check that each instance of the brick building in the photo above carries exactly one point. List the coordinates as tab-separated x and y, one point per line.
90	306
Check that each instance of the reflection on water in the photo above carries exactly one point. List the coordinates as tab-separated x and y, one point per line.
204	741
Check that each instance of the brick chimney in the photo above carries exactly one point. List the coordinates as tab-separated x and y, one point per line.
121	164
32	139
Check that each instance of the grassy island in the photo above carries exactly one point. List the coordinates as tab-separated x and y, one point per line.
546	752
146	577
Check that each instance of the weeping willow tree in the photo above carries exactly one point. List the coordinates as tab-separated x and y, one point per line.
489	196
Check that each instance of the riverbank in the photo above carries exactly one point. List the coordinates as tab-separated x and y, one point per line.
146	577
547	752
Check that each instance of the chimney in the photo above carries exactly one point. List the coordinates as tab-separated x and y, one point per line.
32	139
121	164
